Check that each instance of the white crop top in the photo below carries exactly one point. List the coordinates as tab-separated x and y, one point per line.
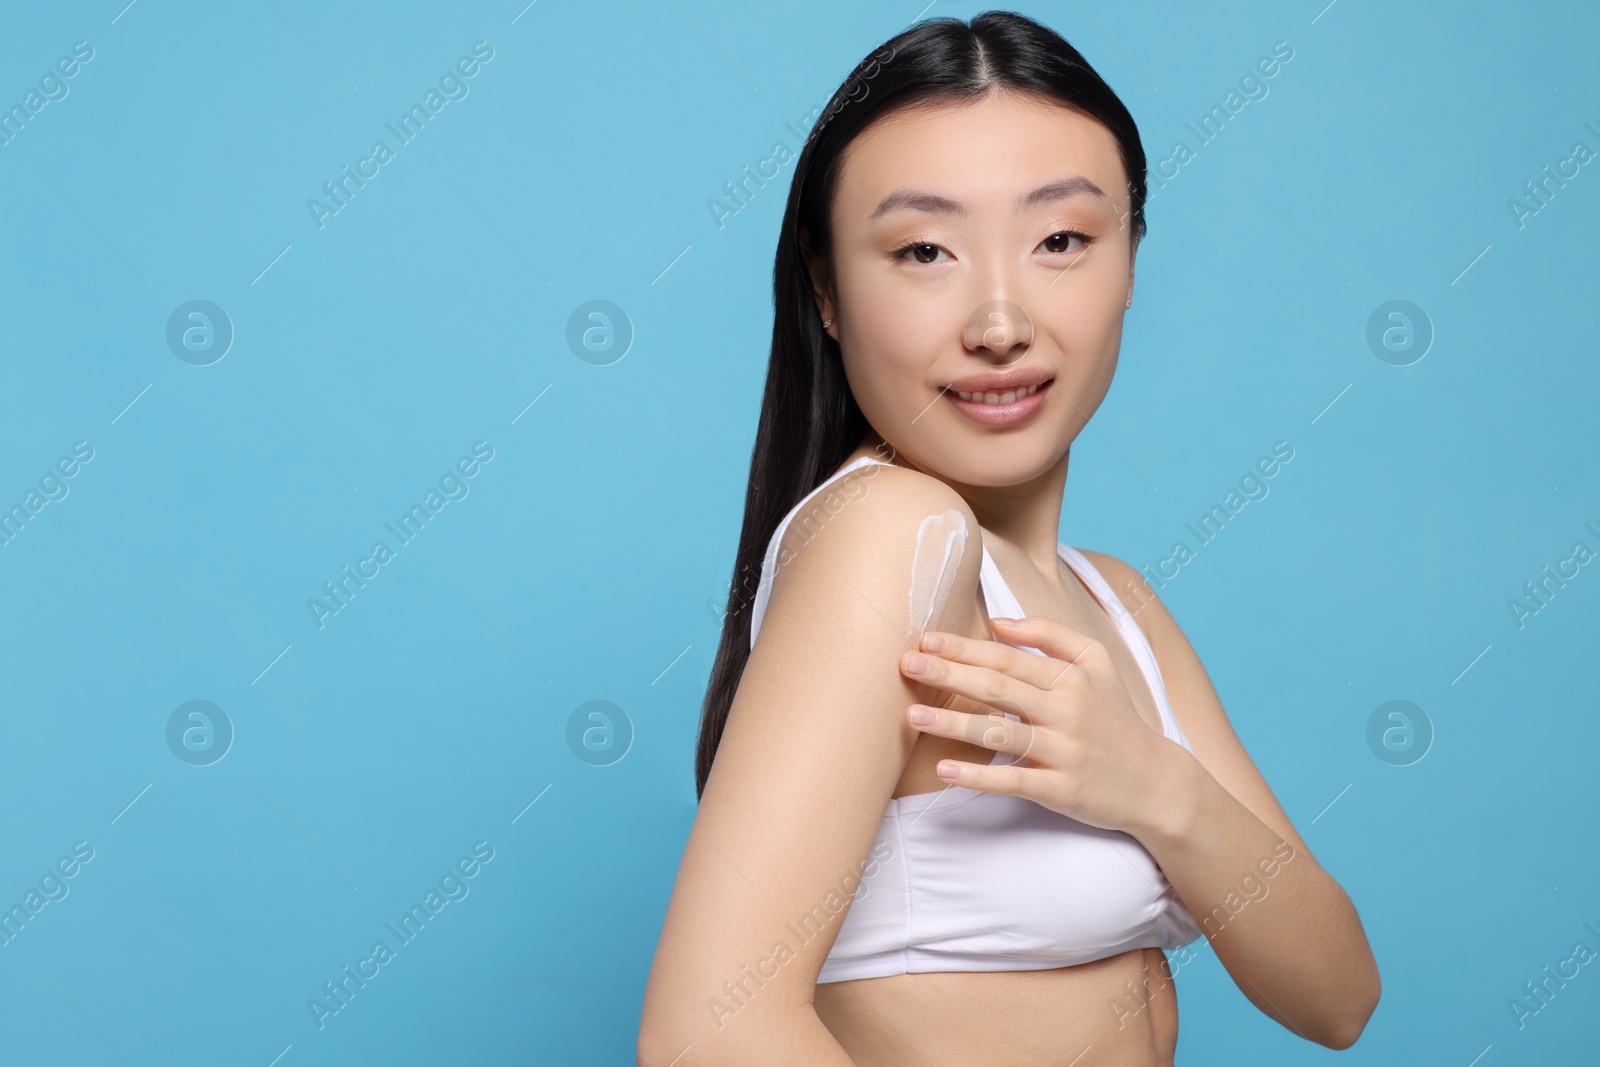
967	880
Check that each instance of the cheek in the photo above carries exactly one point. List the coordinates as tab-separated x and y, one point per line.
886	377
1085	325
891	321
890	338
895	353
1087	335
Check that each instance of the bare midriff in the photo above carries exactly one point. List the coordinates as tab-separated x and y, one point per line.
1114	1012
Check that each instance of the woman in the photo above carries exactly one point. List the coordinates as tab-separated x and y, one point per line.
961	798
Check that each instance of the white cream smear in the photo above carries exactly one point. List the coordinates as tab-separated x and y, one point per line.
941	539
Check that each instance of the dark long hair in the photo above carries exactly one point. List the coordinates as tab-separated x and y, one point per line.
809	419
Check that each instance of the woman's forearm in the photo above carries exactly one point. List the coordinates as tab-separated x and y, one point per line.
1284	929
797	1036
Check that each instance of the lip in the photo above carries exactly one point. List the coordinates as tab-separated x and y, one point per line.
1011	414
1001	382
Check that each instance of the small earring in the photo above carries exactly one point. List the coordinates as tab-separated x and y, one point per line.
826	323
1129	304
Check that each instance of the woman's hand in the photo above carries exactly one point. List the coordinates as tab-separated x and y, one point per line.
1089	754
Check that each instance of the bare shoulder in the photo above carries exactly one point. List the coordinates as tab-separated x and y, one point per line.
815	740
863	568
1136	595
1180	666
872	498
1194	699
869	506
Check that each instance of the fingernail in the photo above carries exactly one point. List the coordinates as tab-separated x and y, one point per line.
1000	618
915	663
921	716
933	642
946	769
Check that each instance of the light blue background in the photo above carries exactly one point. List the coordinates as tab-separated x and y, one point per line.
592	553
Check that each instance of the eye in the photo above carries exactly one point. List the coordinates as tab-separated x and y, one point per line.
1054	242
919	249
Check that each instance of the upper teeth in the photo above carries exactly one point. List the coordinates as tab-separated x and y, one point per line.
999	398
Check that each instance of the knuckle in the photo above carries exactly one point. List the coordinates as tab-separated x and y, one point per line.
999	732
978	729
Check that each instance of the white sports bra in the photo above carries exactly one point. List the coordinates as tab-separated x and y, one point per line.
967	880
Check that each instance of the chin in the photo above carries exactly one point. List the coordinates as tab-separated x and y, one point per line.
972	458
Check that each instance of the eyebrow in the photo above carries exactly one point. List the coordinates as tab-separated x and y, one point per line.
920	200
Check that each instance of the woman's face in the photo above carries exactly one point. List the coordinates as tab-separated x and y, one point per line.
976	247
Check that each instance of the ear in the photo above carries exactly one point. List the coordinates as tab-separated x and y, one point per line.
821	283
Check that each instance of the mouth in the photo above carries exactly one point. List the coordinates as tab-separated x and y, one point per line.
1000	409
995	399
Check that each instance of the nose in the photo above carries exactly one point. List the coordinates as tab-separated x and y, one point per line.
1000	329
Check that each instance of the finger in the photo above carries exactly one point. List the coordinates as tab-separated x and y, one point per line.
1010	778
995	655
976	683
991	730
1054	640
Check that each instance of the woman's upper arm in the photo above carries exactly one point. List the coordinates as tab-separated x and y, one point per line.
815	741
1196	704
